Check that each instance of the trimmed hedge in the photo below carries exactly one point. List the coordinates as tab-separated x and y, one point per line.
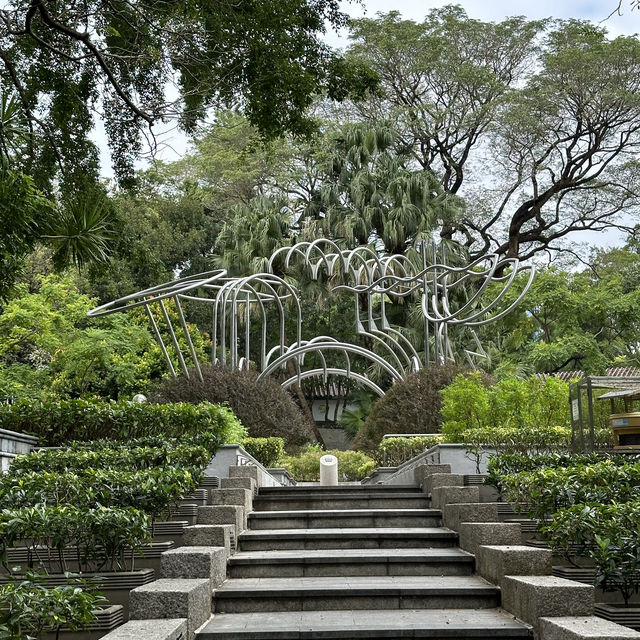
57	422
267	451
264	407
123	459
392	452
154	491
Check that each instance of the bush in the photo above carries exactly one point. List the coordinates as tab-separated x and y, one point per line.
392	452
123	458
534	406
104	537
305	467
547	490
266	451
154	491
608	534
30	609
264	407
57	422
410	406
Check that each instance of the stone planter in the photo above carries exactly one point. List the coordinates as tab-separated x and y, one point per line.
628	616
170	531
114	586
187	512
107	619
147	558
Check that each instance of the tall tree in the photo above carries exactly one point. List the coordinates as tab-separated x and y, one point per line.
64	60
535	123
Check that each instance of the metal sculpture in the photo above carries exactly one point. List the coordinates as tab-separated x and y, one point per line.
373	280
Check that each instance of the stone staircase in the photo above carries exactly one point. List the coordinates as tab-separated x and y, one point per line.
353	562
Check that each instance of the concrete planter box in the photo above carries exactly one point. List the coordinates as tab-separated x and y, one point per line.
170	531
107	619
186	512
232	455
13	444
115	587
628	616
147	558
282	476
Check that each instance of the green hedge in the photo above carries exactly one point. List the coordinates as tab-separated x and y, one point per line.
392	452
104	537
123	458
547	490
267	451
154	491
58	422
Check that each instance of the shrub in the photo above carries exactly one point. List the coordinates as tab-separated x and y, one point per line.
410	406
305	467
30	609
104	537
264	407
547	489
56	422
533	405
123	458
608	534
154	491
392	452
266	451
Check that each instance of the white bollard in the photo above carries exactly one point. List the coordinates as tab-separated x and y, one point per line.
328	470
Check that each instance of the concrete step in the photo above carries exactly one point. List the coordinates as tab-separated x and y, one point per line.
351	562
347	538
483	624
245	595
342	500
312	519
302	489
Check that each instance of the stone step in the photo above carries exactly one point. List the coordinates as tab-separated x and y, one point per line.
350	562
347	538
312	519
245	595
342	500
483	624
307	489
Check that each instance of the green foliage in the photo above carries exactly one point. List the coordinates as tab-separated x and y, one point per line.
548	489
267	58
57	422
392	452
533	407
608	534
154	491
305	467
30	608
267	451
411	405
570	320
124	459
264	407
104	537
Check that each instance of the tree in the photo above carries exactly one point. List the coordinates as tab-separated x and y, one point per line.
64	60
572	320
534	123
